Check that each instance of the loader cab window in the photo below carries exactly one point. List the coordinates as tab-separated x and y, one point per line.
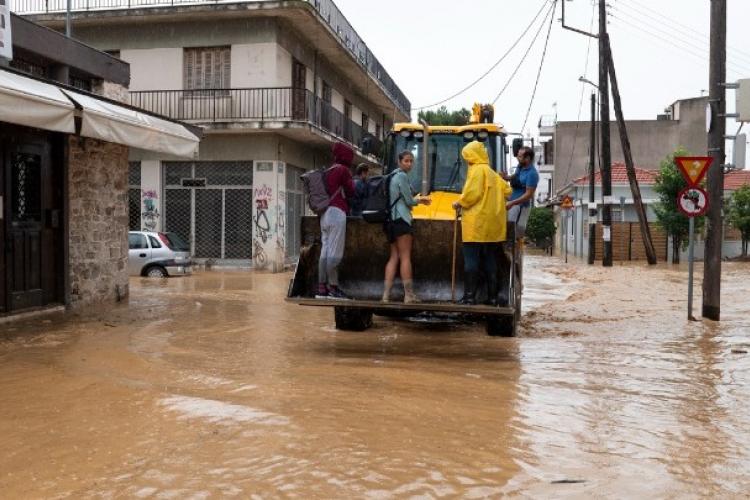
447	167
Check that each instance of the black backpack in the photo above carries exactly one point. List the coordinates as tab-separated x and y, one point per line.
378	205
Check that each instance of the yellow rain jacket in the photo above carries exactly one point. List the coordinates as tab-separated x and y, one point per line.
483	198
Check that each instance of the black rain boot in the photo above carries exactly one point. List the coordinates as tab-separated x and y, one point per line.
470	289
492	291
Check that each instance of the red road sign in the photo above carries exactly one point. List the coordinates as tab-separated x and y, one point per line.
567	203
693	201
693	168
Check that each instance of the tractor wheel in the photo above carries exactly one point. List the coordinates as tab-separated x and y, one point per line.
501	326
352	319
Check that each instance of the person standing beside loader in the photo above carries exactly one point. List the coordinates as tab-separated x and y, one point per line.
340	187
524	183
483	222
399	228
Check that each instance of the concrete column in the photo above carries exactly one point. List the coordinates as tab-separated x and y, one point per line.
151	196
269	215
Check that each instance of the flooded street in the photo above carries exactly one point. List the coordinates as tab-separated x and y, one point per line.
212	386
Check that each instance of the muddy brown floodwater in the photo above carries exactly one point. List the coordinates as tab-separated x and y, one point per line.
212	386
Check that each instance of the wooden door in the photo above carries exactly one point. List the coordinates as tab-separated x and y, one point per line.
299	93
32	263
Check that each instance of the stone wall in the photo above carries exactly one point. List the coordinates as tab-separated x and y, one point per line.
111	90
98	221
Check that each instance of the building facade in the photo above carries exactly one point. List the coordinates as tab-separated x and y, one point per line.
627	244
64	146
565	144
274	84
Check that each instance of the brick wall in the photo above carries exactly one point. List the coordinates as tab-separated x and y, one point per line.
98	221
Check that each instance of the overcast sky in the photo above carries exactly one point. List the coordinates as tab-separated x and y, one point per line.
434	48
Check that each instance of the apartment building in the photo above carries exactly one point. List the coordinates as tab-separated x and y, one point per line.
273	83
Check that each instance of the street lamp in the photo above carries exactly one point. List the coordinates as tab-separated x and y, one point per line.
583	79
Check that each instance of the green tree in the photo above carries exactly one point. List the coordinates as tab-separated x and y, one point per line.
442	116
669	183
739	214
541	227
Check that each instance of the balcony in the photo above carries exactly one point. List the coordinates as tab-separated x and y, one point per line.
547	125
254	108
51	12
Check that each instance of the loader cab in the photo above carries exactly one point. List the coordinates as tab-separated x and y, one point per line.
446	167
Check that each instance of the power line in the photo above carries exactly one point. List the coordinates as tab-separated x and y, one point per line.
525	55
684	49
583	92
541	65
678	36
669	20
495	65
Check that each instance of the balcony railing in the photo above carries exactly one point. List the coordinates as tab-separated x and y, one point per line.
252	104
326	9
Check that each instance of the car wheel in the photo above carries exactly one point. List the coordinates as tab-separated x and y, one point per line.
156	272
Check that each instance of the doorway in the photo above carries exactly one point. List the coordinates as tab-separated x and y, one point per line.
31	219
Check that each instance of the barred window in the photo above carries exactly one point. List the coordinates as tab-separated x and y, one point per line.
207	68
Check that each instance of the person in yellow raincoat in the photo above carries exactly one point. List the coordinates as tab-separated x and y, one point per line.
483	222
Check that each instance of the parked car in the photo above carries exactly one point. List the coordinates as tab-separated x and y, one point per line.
157	255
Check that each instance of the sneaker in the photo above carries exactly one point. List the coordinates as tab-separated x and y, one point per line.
322	292
335	292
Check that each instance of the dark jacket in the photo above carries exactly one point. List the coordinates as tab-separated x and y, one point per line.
339	179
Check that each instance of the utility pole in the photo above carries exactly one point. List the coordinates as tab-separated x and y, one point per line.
606	167
592	189
716	145
629	164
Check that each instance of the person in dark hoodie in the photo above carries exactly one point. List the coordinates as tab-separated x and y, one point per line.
333	222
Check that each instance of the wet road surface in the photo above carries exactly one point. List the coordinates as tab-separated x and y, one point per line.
212	386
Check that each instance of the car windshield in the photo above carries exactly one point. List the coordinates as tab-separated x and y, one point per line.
176	243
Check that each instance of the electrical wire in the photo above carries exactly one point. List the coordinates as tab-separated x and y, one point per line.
583	92
674	37
702	57
526	54
541	65
495	65
669	20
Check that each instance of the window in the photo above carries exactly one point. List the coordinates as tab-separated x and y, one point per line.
207	68
154	242
327	93
80	83
365	123
137	241
378	131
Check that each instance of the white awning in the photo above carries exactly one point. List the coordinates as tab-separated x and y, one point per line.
29	102
110	122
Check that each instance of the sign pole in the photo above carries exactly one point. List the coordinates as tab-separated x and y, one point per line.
567	223
691	259
692	201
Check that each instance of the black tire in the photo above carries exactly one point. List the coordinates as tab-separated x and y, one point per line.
501	326
352	319
155	272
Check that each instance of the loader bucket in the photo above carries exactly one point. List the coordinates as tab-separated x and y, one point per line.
366	253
